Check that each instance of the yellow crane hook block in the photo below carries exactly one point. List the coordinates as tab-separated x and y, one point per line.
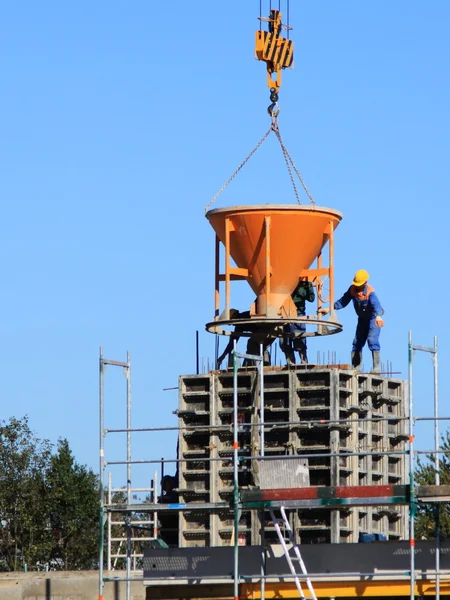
275	50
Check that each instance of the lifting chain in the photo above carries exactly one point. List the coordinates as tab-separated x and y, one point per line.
290	163
273	111
243	163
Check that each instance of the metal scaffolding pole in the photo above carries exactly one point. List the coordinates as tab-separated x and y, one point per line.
261	399
412	506
433	351
128	526
101	471
260	361
261	444
126	366
437	478
235	475
108	559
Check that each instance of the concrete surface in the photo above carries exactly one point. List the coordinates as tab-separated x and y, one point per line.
64	585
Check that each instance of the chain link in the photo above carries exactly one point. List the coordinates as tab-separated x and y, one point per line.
287	158
297	172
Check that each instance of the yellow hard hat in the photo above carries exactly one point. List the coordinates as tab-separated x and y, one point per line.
361	277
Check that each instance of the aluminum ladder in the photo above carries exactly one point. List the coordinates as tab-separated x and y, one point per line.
298	557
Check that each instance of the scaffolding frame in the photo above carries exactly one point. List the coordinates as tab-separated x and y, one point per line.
107	490
411	499
412	348
150	524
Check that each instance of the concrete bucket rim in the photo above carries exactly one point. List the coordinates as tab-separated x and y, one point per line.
275	207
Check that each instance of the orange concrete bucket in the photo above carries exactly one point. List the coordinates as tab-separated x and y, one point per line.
272	245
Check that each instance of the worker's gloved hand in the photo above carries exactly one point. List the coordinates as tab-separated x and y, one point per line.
323	311
379	321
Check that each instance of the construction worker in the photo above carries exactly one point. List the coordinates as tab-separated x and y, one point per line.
253	345
168	485
303	293
369	311
235	335
168	520
261	336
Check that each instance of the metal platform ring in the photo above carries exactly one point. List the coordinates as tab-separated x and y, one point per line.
276	325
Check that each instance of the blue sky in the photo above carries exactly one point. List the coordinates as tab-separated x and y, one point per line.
120	121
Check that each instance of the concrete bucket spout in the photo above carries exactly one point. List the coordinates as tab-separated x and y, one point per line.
272	246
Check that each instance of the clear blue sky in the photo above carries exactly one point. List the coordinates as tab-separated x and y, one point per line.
119	122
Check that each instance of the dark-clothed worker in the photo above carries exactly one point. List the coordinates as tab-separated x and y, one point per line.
303	293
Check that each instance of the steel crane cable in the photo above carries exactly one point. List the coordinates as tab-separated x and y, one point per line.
287	157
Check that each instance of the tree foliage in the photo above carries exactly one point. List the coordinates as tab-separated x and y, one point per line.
427	515
72	499
48	503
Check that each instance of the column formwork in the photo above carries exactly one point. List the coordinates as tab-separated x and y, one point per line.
314	411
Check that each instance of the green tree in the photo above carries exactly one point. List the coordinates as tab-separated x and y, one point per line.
72	500
23	462
426	516
48	503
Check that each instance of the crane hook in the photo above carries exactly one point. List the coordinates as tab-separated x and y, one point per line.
273	109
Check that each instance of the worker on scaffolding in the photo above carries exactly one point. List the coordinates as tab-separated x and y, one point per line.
253	345
369	311
303	293
260	337
169	494
234	337
168	520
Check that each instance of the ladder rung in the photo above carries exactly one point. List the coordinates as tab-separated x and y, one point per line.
282	522
119	523
132	539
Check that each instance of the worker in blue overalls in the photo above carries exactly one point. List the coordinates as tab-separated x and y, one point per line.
369	311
